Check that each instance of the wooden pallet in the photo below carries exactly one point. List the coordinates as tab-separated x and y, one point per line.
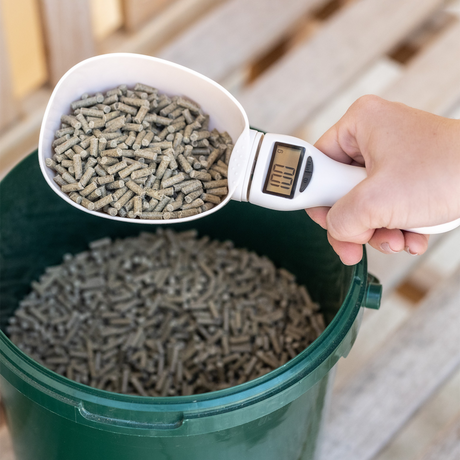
296	65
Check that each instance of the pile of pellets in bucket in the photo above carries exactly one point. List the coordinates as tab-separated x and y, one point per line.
140	154
165	314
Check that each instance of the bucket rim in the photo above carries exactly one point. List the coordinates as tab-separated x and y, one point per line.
320	356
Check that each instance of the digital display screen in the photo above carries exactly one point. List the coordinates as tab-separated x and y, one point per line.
283	170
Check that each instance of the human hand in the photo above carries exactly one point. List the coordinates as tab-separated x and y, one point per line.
412	159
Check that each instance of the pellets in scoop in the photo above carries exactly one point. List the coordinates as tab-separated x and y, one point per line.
165	314
156	148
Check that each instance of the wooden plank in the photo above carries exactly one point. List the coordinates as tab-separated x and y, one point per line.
235	33
373	80
424	427
22	137
370	410
431	81
138	12
68	35
8	105
447	445
106	17
5	444
5	438
25	46
160	30
303	80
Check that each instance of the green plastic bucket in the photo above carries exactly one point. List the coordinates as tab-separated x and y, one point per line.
277	416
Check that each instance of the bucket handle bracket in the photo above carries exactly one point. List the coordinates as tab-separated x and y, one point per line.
373	295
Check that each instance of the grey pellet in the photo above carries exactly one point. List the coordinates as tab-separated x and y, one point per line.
186	166
176	204
178	125
61	140
95	195
76	197
121	107
100	171
171	154
105	179
219	170
162	204
74	187
140	173
201	175
117	167
137	189
145	88
191	187
123	200
88	189
130	139
137	205
207	206
129	169
215	184
137	127
151	215
162	167
62	132
102	145
67	145
142	112
173	180
147	154
198	202
187	104
68	177
135	102
219	191
84	124
189	212
71	120
116	152
88	102
193	196
147	138
138	142
59	180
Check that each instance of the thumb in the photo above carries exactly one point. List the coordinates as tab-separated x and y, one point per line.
352	217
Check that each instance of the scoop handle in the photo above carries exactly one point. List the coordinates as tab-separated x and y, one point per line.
441	228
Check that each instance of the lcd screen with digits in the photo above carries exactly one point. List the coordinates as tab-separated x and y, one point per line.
283	170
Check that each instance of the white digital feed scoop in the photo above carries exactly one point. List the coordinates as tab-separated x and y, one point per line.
270	170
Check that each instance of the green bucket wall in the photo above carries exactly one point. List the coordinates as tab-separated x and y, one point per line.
277	416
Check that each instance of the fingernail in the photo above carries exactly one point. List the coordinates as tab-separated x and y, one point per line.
407	249
385	247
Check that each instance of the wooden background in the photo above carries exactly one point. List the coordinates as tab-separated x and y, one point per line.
295	65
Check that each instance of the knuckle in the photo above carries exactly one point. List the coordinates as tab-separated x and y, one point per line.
369	103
